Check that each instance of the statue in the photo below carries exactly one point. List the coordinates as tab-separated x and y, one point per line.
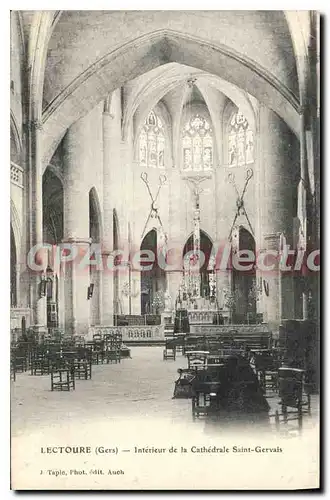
168	301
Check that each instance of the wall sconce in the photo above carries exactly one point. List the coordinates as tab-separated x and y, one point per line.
43	286
266	288
90	291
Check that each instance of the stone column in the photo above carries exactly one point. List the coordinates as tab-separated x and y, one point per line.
111	185
107	244
135	292
38	303
302	208
222	245
174	267
76	148
222	283
173	282
124	283
275	209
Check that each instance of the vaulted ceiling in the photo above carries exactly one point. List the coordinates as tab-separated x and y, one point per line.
88	54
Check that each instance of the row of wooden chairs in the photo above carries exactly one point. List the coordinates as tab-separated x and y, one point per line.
294	399
68	353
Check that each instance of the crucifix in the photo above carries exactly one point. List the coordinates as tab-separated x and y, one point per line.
194	278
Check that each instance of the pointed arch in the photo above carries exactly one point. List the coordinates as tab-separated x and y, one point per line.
244	286
215	58
15	251
238	136
152	143
16	225
15	134
95	216
153	281
116	230
197	143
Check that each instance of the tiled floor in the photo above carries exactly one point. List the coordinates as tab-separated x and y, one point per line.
137	388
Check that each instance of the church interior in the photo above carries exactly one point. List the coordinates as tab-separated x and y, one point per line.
150	151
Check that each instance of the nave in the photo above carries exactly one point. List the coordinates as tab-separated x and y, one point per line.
139	389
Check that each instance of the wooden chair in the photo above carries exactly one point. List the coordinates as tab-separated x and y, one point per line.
204	400
40	362
197	360
169	353
12	370
183	385
266	367
19	359
82	369
291	392
63	379
112	354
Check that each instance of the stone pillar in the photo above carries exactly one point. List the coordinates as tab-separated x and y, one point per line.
275	209
111	184
135	292
222	245
124	283
174	261
107	243
173	282
222	283
76	148
38	303
302	208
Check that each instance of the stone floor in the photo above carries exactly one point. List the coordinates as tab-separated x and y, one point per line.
128	408
136	388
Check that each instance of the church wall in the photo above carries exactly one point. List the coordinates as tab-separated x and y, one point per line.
261	44
16	62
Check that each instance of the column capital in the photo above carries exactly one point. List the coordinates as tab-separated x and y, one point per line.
30	125
110	115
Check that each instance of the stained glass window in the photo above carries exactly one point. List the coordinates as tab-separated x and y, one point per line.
240	141
197	144
152	143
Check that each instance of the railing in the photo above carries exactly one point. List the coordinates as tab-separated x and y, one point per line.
214	330
137	320
200	316
136	334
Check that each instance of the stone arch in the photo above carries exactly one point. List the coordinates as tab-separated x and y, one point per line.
116	230
244	284
15	253
95	215
16	226
228	112
153	281
206	246
43	24
154	49
161	110
15	140
53	205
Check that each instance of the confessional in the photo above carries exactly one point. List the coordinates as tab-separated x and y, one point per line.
294	399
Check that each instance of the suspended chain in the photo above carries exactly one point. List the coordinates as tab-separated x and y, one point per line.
153	210
240	208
